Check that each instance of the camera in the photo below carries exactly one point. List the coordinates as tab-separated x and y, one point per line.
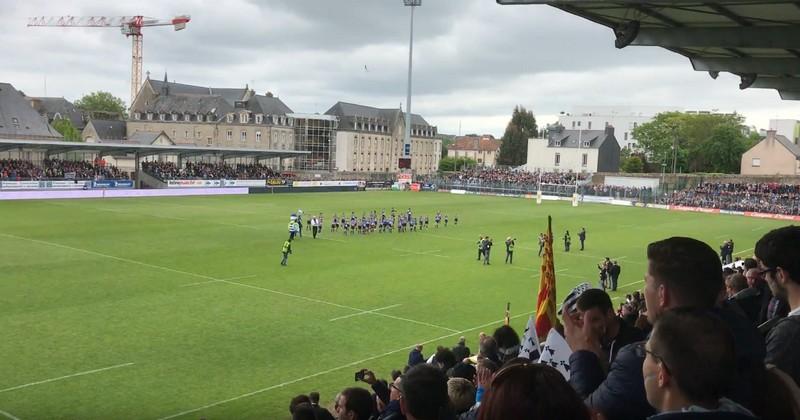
360	375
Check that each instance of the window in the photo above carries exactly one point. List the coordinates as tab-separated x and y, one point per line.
229	118
174	117
137	116
756	162
587	143
579	123
187	117
635	125
199	117
186	134
585	159
15	122
150	116
229	135
573	124
174	134
558	159
243	136
590	125
162	117
259	118
243	118
258	136
208	141
626	135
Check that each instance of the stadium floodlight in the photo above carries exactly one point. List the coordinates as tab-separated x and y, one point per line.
405	160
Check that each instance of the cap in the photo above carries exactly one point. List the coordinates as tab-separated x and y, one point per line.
572	298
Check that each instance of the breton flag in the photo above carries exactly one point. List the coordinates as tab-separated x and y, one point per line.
530	342
507	318
546	304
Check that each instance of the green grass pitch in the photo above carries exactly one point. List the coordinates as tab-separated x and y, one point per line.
178	308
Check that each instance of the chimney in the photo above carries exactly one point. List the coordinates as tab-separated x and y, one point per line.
609	130
771	135
269	95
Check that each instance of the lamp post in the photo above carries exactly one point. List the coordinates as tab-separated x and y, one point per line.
407	136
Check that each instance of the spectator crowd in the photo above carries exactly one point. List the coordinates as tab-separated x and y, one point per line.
698	342
23	170
514	177
763	198
203	170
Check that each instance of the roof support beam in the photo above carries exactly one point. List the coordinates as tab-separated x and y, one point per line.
747	65
781	37
779	83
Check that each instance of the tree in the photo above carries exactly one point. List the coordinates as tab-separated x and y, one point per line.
723	150
452	164
65	127
633	165
102	105
689	133
514	148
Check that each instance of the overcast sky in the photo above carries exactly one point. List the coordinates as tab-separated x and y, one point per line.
474	60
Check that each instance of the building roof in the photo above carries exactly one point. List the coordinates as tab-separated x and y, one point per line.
190	104
478	143
349	110
230	95
19	120
268	105
574	139
50	107
788	144
754	40
108	129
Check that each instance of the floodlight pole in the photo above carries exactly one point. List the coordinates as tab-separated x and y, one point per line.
407	136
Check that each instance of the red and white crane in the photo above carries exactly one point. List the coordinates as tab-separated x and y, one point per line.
131	26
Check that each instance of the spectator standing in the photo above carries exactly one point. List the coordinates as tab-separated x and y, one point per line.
778	253
487	249
480	247
286	250
354	404
682	272
567	241
510	250
424	394
461	351
415	357
689	361
614	272
595	308
582	236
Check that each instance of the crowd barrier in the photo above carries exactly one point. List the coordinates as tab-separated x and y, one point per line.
111	193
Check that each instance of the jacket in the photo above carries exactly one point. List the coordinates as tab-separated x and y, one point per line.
728	410
621	394
782	344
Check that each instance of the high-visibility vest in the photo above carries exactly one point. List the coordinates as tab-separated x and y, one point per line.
287	246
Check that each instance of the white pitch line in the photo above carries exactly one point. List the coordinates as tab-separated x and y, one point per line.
426	253
324	372
631	284
88	372
217	281
100	254
331	239
413	321
364	312
742	252
8	415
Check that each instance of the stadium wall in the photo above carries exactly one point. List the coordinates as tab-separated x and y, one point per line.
67	194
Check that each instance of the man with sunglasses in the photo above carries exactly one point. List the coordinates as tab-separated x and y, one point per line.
778	254
681	387
681	272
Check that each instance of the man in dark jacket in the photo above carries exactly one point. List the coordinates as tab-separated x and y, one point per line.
614	272
682	272
461	351
415	357
681	387
595	307
778	253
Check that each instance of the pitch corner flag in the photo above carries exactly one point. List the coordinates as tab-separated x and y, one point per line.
546	303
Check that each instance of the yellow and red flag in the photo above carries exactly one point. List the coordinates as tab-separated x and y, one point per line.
546	304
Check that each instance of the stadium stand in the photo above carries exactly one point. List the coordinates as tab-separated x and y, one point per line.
763	198
202	170
51	169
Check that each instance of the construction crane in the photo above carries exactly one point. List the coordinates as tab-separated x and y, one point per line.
131	26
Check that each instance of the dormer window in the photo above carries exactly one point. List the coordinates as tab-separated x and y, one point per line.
162	116
137	116
229	118
149	116
174	117
187	117
290	121
243	118
587	143
199	117
259	118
